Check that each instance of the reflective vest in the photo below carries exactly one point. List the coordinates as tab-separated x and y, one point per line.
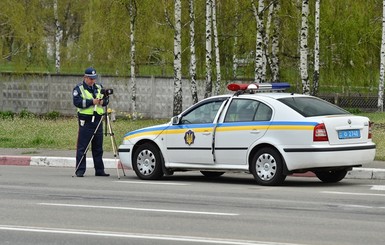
86	95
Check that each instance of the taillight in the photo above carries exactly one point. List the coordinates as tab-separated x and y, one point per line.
319	133
370	130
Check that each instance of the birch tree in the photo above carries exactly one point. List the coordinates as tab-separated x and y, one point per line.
133	13
304	48
275	42
216	47
380	103
235	44
177	108
316	48
208	87
258	13
58	36
193	62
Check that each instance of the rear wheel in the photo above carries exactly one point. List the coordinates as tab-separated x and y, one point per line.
147	162
267	167
331	176
211	174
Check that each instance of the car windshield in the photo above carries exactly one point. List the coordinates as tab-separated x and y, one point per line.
312	106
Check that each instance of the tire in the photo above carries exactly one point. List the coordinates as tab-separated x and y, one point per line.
147	162
211	174
331	176
267	167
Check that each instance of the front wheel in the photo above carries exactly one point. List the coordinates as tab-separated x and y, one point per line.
331	176
267	167
147	162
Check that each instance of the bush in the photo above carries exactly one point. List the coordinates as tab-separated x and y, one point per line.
26	114
53	115
7	114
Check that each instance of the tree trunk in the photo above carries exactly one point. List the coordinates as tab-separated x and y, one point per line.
316	48
58	37
380	104
216	47
209	85
258	78
133	11
177	108
304	48
275	43
193	62
235	45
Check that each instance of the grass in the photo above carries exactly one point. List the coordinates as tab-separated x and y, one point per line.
61	133
57	134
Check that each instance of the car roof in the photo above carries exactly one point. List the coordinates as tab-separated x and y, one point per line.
276	95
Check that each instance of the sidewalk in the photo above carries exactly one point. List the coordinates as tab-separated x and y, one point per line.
66	158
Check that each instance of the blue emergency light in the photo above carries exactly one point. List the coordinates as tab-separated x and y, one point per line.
258	86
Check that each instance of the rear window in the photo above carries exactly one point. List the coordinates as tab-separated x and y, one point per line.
312	106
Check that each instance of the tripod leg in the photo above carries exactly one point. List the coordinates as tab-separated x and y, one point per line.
113	143
116	152
88	147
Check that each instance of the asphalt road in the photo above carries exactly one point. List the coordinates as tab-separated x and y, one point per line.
46	205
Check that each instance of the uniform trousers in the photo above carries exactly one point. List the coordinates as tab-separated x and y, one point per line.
86	131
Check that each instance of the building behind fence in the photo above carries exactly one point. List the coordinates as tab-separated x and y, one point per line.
46	93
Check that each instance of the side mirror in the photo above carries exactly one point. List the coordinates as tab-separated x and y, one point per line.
175	120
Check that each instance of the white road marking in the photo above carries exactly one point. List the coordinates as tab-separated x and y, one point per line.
150	182
138	235
378	187
354	194
138	209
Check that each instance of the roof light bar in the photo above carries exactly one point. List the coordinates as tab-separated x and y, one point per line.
258	86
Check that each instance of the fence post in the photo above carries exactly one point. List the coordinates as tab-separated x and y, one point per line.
336	99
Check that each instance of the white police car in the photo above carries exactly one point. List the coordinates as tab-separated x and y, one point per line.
270	135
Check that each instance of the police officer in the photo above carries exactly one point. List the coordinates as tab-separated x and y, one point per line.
89	100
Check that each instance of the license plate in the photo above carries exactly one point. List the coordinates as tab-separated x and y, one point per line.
349	134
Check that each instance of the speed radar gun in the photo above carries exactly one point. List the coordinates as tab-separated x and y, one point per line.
108	131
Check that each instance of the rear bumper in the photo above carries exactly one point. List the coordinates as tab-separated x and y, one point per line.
324	157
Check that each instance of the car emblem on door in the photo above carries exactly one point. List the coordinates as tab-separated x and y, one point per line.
189	137
349	121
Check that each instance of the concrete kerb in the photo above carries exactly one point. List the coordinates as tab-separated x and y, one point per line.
69	162
366	173
356	173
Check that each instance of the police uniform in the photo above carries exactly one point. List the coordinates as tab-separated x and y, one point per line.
89	117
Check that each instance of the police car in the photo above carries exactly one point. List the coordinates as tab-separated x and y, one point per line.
268	134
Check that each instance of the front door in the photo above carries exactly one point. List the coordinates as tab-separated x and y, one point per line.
191	140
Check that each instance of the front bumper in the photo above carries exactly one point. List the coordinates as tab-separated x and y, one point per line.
125	155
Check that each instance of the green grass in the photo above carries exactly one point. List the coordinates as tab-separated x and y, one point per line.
35	132
57	134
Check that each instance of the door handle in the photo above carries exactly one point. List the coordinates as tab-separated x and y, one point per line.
206	132
255	131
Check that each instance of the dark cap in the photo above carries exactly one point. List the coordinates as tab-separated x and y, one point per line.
91	73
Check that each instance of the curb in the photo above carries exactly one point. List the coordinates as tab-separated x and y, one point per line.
70	162
67	162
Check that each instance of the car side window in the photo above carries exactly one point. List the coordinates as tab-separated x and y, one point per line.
245	110
263	113
203	114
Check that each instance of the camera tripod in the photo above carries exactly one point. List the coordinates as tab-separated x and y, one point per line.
108	131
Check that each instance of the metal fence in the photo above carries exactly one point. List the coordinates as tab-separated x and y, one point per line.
353	101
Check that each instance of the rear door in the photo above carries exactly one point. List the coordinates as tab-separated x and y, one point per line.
245	122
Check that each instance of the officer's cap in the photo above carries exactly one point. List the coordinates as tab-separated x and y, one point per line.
91	73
